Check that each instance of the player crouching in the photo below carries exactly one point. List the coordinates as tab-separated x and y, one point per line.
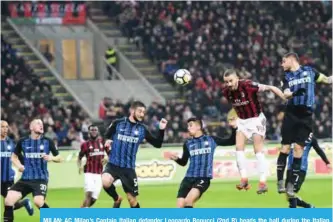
200	150
94	151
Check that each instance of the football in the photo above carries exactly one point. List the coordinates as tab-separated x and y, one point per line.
182	77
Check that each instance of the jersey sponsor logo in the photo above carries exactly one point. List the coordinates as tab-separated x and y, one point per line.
129	139
299	81
34	155
200	151
5	154
156	170
97	153
238	102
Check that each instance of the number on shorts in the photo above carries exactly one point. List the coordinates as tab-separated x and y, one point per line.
201	182
43	187
260	128
135	180
297	177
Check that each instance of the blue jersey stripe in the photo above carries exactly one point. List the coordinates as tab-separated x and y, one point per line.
7	172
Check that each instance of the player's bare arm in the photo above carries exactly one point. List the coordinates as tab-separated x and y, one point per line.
55	157
16	162
157	141
273	89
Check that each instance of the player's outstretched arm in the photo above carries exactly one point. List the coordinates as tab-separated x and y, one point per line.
156	141
55	153
226	141
274	89
322	78
184	159
319	151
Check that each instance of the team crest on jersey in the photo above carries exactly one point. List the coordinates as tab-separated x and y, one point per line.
136	132
41	147
206	143
91	147
9	147
242	94
305	73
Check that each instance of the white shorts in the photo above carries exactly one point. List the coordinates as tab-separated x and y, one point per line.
255	125
93	183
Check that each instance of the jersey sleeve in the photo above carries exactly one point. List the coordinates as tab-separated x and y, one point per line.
155	141
284	83
319	151
82	150
226	141
252	86
316	74
18	148
185	156
53	148
111	130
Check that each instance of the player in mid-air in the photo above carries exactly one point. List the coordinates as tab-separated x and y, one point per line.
36	151
310	142
126	135
94	150
251	123
200	151
7	173
299	88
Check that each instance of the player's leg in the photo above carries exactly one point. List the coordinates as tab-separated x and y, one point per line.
287	134
184	188
108	177
293	200
130	185
39	192
97	189
258	145
89	187
303	136
15	193
241	160
302	203
199	187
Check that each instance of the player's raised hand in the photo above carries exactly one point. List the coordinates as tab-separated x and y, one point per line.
48	158
108	143
163	124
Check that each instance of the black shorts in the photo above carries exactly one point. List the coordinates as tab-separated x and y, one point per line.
298	182
127	176
5	187
188	183
36	187
296	128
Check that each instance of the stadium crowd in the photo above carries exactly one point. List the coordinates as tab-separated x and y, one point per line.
208	37
24	96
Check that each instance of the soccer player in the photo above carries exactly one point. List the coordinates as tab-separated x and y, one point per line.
200	150
126	135
251	123
7	173
94	151
36	151
299	88
311	142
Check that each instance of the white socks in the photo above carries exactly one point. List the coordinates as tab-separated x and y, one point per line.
262	166
241	163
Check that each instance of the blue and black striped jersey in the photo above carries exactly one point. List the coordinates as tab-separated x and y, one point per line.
126	137
7	172
35	167
200	151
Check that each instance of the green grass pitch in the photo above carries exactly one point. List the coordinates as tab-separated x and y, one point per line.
219	195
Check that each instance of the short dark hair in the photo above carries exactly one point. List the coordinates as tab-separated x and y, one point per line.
229	72
195	119
137	104
91	126
292	54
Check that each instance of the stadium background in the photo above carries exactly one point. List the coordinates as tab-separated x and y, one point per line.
152	40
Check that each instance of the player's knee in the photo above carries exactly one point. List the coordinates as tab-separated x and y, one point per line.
181	203
39	201
107	180
12	197
131	199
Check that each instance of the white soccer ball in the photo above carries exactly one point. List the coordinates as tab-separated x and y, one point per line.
182	77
